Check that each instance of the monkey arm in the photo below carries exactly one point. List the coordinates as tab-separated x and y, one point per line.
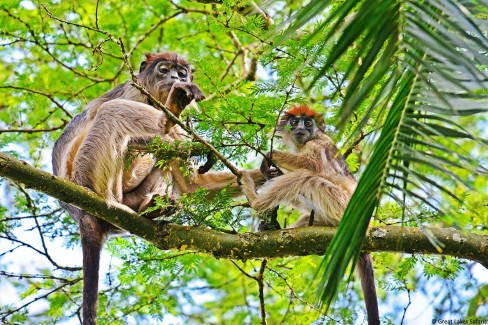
180	95
214	181
294	161
249	187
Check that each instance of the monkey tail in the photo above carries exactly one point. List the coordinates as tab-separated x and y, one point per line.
92	238
366	273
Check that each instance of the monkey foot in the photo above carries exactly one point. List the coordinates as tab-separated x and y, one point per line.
263	226
269	221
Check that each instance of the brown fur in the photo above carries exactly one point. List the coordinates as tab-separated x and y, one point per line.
316	179
92	149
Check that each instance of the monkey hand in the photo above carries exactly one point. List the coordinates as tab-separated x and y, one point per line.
269	220
208	164
182	93
267	169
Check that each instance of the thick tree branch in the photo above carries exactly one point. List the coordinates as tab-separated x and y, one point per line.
298	241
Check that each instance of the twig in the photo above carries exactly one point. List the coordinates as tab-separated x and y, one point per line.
409	301
32	276
38	92
292	291
275	129
230	65
33	130
51	15
150	31
356	142
68	268
96	15
260	280
13	311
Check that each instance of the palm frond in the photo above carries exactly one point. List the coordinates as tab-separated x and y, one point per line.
431	59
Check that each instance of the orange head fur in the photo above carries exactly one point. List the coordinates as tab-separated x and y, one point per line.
302	110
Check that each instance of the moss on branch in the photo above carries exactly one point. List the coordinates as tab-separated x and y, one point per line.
287	242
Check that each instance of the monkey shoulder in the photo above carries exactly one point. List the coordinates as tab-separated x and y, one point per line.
117	92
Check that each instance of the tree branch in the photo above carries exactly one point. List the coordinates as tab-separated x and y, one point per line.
276	243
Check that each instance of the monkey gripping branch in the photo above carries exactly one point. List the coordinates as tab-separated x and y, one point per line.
297	241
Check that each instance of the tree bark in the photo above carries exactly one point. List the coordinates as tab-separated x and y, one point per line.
275	243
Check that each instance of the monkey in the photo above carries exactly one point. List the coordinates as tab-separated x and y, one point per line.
158	74
316	178
91	152
92	149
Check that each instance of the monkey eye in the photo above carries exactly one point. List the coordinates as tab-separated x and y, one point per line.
182	73
293	122
163	68
308	123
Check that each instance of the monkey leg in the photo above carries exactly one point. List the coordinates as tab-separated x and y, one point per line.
314	192
306	220
269	220
312	218
99	162
168	208
140	167
269	217
157	182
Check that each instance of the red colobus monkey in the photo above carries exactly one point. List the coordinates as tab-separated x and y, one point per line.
92	149
317	179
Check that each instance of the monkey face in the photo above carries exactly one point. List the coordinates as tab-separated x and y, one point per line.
302	128
165	73
172	72
160	71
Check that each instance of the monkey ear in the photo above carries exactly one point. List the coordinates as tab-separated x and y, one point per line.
143	66
321	126
320	121
145	62
192	71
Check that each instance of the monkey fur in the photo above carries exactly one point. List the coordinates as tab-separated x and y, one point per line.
316	179
92	149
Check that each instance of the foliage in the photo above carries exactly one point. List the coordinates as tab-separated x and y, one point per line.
425	86
398	82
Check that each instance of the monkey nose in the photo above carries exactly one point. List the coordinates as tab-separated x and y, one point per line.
300	132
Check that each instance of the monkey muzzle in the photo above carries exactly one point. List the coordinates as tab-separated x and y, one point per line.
301	135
